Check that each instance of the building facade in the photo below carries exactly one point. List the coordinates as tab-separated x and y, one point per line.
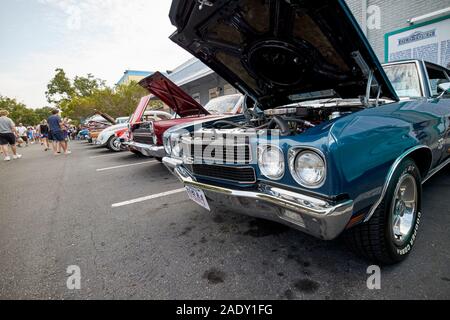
133	75
401	29
200	82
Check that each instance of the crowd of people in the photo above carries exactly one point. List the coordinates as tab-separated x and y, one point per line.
52	133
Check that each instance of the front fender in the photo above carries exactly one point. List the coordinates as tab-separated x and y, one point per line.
366	150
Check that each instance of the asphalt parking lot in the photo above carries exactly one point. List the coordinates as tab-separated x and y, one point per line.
76	210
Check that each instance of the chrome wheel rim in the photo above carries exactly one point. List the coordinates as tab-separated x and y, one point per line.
404	209
116	144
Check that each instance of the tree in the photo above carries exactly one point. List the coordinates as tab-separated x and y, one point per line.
86	86
18	111
43	113
121	101
78	99
59	89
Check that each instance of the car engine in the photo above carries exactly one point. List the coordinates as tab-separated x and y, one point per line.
296	118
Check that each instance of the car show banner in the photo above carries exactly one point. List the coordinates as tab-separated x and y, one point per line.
429	41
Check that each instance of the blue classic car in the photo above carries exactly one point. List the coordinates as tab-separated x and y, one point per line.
331	141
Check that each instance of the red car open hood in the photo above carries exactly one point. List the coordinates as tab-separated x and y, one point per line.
139	112
172	95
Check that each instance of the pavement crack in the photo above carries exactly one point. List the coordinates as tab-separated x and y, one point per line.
94	245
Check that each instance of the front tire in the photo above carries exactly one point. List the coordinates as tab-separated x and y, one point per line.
389	236
113	144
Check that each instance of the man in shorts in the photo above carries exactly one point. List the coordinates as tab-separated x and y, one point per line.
8	136
55	125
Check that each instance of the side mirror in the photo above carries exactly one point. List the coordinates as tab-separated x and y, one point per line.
444	88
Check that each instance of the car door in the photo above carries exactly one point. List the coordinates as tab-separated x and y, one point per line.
438	75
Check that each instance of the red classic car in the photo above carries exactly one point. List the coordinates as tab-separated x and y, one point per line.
146	137
140	119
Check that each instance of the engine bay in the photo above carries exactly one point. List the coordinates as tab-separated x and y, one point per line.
295	118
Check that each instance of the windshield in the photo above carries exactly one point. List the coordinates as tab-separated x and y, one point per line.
122	120
405	79
223	105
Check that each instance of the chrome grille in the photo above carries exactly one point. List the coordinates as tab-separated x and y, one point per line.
235	174
143	139
219	149
141	136
226	154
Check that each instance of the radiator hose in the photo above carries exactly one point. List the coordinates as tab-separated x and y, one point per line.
281	124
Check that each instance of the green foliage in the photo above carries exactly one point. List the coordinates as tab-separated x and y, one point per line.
18	111
59	89
118	102
43	113
86	86
79	98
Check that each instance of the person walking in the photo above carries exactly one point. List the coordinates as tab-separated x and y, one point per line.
43	132
55	124
30	134
37	134
23	134
65	128
8	136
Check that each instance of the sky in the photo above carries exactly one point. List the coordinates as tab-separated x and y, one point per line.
104	38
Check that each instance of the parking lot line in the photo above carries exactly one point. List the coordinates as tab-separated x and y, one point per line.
125	165
151	197
107	155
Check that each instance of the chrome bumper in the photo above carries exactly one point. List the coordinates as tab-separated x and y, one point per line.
314	216
146	149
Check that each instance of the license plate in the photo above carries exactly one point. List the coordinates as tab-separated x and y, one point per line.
198	196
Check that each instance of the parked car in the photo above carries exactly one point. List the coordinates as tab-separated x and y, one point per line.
122	135
97	123
83	134
146	137
122	120
139	122
107	138
350	152
102	122
111	137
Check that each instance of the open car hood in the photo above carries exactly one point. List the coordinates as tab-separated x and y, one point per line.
281	51
172	95
106	116
140	109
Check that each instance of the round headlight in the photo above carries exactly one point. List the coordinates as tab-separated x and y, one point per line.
308	169
271	162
